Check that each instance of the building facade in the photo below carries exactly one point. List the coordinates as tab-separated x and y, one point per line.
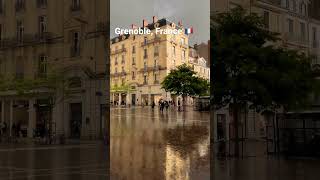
298	30
63	36
199	63
139	63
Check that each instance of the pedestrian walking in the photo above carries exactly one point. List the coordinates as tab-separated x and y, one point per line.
167	105
153	105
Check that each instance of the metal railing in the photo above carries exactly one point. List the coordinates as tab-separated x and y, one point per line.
154	40
118	51
27	39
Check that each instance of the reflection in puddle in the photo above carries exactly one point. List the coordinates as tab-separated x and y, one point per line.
148	145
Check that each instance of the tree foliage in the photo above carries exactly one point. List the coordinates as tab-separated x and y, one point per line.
185	82
248	71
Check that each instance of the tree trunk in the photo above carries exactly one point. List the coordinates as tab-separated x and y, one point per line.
184	97
235	113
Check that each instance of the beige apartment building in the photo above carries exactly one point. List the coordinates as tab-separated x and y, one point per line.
139	63
199	63
66	36
298	28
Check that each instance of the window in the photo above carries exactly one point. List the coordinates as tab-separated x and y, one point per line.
145	41
314	37
266	19
20	5
19	68
156	51
303	31
122	68
42	67
1	32
41	3
290	26
42	24
155	78
116	61
155	63
174	50
122	81
133	49
182	41
145	55
133	75
75	51
145	79
303	9
20	31
1	6
183	55
122	46
75	5
133	61
116	70
122	59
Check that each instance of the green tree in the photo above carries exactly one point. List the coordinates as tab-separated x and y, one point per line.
183	81
246	71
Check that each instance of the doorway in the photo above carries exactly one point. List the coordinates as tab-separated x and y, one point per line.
75	120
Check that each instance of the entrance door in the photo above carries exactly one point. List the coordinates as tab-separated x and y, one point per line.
75	120
133	99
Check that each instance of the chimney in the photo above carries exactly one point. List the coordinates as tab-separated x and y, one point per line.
144	23
180	23
155	19
133	26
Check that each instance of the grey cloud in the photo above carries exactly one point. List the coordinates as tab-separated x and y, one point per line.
193	13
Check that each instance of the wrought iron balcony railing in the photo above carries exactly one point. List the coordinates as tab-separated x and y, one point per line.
118	51
28	39
154	40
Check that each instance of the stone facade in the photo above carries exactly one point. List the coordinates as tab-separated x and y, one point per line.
64	36
141	62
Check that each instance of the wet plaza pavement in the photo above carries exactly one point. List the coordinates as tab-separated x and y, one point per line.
57	162
266	168
149	145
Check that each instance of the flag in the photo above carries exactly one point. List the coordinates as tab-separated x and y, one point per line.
189	31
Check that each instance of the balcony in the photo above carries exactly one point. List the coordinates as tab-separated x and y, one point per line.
153	68
28	39
295	39
115	74
151	41
123	73
118	51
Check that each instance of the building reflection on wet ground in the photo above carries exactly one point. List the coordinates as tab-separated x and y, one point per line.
57	162
148	144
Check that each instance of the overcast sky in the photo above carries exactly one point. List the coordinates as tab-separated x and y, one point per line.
193	13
